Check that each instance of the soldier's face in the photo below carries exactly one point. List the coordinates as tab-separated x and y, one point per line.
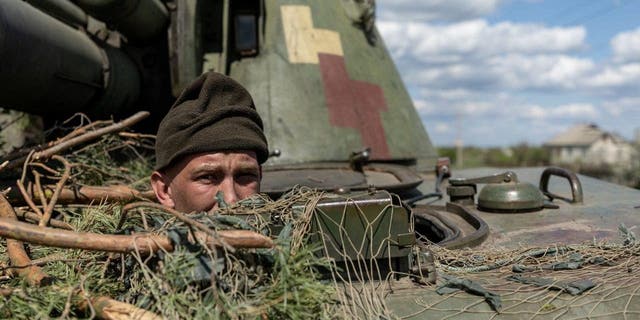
192	184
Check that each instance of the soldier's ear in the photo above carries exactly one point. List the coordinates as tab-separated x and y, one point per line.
160	185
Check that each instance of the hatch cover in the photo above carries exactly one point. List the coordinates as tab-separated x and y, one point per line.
277	180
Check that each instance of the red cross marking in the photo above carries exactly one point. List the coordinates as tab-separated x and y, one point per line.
354	104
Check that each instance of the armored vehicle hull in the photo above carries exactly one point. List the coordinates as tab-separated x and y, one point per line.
409	243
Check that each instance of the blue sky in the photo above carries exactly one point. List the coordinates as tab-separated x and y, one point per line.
500	72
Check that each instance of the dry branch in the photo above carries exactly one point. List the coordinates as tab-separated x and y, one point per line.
48	210
27	198
33	217
86	137
142	243
179	215
15	250
145	244
85	194
107	308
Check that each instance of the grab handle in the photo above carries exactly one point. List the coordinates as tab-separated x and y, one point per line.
574	182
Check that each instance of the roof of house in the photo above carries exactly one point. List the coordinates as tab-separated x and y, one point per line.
581	135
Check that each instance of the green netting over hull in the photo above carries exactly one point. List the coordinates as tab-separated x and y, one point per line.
593	280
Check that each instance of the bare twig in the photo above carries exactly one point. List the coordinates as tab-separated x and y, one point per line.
101	171
143	243
27	198
46	216
44	167
85	137
20	183
67	304
86	302
5	292
107	308
125	212
81	240
34	217
157	206
15	250
82	130
87	195
179	215
41	262
136	135
106	264
39	191
24	166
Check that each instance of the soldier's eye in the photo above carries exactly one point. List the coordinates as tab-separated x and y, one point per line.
207	178
247	177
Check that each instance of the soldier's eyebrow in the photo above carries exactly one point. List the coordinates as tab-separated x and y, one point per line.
247	167
242	167
207	167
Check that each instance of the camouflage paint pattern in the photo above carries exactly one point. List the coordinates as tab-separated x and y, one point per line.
324	91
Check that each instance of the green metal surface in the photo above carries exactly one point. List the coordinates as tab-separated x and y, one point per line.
45	62
363	228
502	192
374	225
49	67
322	85
606	206
510	196
290	97
140	20
63	10
612	301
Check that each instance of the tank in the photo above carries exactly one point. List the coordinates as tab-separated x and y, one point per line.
338	118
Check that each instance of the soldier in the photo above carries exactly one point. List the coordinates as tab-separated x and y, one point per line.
211	140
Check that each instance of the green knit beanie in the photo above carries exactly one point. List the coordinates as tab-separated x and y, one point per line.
215	113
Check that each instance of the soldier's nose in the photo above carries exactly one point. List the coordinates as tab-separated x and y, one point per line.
229	190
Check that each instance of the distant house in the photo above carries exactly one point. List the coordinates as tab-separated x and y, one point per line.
589	145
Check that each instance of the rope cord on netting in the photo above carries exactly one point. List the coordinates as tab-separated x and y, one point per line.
594	280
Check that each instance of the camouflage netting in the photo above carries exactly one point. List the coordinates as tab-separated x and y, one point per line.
292	280
597	280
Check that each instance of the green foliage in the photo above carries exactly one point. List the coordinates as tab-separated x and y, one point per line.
282	284
520	155
113	160
279	283
72	270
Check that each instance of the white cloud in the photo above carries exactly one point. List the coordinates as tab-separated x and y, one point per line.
454	94
575	110
423	106
435	10
551	72
509	72
624	106
476	108
624	75
626	46
476	39
507	82
442	127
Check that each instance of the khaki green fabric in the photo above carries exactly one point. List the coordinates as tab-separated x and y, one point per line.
215	113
